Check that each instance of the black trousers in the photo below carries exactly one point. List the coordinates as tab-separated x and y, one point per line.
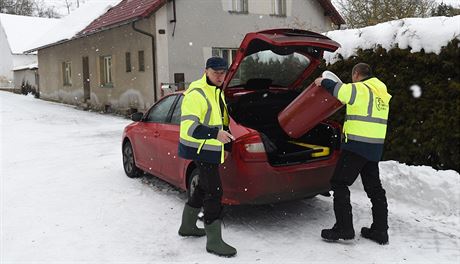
208	193
349	166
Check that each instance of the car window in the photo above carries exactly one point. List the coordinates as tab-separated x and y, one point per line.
159	113
282	70
175	119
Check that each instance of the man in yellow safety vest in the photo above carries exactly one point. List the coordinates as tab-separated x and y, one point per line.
367	106
203	134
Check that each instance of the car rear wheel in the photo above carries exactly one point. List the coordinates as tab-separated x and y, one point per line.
128	161
192	182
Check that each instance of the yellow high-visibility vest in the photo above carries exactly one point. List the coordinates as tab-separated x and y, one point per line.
367	110
200	106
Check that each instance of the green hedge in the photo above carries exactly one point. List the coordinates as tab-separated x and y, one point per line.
422	130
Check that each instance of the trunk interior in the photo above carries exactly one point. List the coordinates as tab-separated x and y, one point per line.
259	110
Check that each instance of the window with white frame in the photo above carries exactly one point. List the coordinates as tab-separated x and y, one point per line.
106	71
279	7
227	53
240	6
67	73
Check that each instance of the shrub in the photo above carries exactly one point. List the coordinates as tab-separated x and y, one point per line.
26	89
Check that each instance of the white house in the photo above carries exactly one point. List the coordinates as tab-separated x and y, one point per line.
17	33
120	59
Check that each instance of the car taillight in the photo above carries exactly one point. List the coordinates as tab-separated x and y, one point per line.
251	148
254	147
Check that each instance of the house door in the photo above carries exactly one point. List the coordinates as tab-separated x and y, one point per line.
86	91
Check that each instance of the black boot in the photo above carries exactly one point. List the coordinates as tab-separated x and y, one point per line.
343	228
379	236
378	230
335	234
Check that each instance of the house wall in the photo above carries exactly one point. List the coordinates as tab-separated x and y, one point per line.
26	76
202	25
6	62
130	89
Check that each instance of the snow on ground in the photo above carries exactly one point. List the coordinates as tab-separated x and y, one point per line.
430	34
65	199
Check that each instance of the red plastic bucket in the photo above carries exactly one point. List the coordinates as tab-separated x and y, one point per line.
311	107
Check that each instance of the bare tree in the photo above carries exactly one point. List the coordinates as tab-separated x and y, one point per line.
43	10
68	4
445	10
27	8
17	7
361	13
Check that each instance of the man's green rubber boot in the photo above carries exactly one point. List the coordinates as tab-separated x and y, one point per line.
214	243
188	226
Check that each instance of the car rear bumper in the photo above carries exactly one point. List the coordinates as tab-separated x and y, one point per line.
260	183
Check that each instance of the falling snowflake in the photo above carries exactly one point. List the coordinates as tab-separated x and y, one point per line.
416	90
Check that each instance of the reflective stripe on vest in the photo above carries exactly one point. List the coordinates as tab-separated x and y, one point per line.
366	139
369	119
196	123
199	145
353	92
207	116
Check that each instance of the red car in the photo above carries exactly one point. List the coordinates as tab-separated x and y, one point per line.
265	164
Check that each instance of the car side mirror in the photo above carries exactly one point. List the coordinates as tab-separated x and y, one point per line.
136	117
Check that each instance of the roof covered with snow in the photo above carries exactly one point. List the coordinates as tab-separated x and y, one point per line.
22	30
30	66
70	25
429	34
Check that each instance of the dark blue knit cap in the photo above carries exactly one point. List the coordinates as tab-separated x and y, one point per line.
216	63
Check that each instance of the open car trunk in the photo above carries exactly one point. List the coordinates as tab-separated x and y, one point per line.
259	110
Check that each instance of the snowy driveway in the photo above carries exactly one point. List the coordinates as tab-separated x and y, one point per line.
66	199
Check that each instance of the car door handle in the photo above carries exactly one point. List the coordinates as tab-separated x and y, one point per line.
156	134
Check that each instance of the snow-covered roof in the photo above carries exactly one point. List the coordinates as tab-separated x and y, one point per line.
429	34
26	67
22	30
70	25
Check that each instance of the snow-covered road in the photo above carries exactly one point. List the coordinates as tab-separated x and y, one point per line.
66	199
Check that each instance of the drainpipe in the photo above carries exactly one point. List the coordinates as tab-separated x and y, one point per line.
174	20
154	65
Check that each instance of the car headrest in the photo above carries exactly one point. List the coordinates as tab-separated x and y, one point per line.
258	84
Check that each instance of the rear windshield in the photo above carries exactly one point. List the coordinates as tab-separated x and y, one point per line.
282	70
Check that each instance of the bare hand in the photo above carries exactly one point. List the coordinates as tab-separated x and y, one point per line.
224	137
318	81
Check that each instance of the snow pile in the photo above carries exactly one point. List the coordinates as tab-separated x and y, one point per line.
429	34
422	186
75	22
22	30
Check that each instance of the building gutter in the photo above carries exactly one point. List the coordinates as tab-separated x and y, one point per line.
133	24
